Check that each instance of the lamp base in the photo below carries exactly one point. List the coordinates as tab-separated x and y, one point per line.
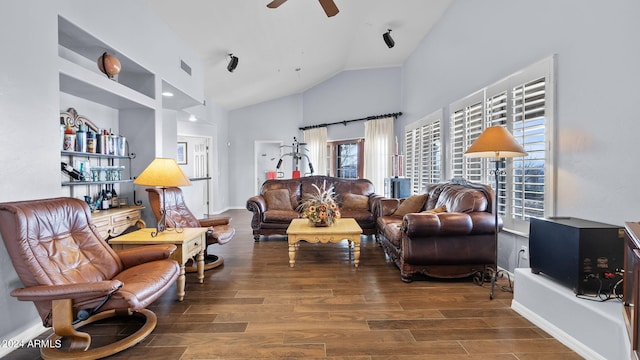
489	274
162	222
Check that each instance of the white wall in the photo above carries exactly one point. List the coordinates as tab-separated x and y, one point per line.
272	120
348	95
479	42
352	95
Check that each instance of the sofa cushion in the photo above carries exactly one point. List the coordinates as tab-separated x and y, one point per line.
437	210
355	202
462	199
278	199
412	204
280	216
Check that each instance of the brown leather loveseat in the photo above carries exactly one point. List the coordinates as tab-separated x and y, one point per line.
447	232
278	201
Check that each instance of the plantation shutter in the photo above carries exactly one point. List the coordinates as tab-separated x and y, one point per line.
466	126
496	115
423	152
528	122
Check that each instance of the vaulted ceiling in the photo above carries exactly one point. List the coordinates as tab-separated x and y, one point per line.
290	49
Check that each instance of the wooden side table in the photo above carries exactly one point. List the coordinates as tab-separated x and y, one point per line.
189	242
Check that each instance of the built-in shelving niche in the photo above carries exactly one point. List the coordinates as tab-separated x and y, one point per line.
78	52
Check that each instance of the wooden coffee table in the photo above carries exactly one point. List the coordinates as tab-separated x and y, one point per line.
343	229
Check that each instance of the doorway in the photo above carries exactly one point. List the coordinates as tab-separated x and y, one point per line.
196	167
266	155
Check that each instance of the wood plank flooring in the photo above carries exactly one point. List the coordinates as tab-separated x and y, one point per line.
256	307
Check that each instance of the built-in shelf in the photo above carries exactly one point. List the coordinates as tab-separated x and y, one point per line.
76	183
94	155
78	53
78	81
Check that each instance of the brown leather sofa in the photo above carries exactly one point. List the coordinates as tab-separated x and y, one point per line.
278	201
449	232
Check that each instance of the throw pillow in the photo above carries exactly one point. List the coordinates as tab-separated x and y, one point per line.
437	210
278	199
412	204
355	202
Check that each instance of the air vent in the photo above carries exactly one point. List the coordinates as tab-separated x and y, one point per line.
184	66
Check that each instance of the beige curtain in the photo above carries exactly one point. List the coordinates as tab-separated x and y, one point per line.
316	140
378	149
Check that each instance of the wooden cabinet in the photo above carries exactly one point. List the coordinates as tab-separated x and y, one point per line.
631	281
113	222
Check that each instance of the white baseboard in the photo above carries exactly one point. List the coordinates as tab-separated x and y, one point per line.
558	334
22	337
595	330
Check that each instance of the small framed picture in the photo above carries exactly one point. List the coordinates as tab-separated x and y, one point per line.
181	155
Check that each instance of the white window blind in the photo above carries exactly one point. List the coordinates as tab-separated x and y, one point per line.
523	103
528	124
423	155
496	114
466	121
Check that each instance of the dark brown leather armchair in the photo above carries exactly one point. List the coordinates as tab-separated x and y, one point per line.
74	278
179	215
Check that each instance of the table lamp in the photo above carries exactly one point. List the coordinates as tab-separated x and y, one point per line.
163	173
495	142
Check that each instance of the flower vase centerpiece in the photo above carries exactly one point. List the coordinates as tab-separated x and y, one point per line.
321	208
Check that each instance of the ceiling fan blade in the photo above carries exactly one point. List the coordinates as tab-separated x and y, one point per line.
275	3
329	7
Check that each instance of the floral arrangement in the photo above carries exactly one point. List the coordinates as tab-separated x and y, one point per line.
321	209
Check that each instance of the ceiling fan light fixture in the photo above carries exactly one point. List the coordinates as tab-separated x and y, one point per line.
387	39
233	63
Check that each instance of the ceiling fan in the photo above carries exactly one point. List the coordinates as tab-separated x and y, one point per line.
329	6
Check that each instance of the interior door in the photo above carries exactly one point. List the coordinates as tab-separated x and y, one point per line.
196	196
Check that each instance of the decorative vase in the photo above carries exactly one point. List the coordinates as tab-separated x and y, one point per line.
321	224
109	65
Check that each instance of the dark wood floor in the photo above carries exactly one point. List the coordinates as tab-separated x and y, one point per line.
256	307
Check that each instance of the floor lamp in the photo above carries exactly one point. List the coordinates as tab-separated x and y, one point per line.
163	173
495	142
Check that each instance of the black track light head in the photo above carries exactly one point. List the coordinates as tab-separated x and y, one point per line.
233	63
387	39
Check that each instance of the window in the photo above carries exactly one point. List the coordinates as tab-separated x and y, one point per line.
345	159
466	122
523	103
423	155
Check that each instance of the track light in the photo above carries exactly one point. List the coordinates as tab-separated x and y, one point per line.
233	63
387	39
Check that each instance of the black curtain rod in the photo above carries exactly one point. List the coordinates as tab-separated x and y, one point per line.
345	122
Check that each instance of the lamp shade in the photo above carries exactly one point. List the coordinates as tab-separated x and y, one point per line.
162	172
495	142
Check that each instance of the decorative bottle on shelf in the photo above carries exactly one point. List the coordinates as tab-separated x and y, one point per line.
103	140
81	139
105	201
91	142
69	170
69	143
114	198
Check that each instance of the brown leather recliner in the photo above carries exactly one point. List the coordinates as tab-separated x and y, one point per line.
179	215
74	278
